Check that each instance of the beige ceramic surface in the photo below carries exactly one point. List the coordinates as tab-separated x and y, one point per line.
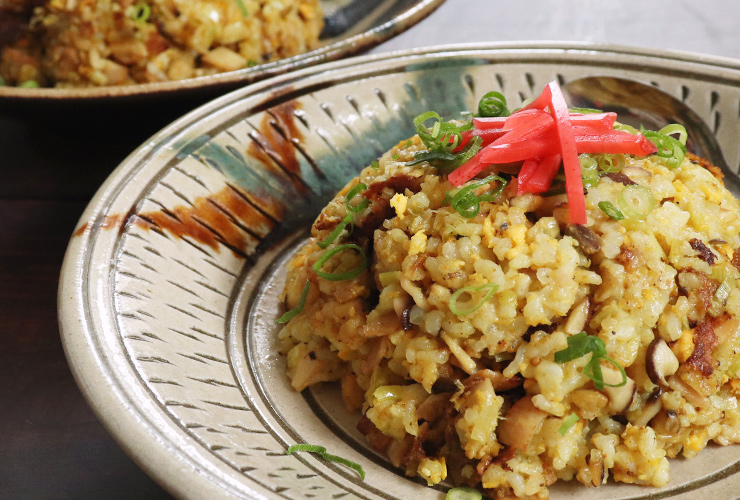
169	288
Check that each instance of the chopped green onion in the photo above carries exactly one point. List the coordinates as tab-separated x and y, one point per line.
354	192
140	12
336	232
242	7
626	128
636	202
442	136
733	369
585	111
589	170
461	158
375	165
582	344
493	104
2	81
320	450
29	84
567	424
431	156
471	289
441	140
388	278
609	163
610	210
252	63
297	309
578	346
409	143
344	275
723	291
675	128
670	150
467	203
463	493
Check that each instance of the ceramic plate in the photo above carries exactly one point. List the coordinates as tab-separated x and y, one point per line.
351	26
170	286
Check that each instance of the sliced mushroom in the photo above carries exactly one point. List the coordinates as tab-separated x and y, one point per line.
579	315
522	422
499	381
660	362
589	241
402	305
621	178
666	423
595	463
620	398
652	407
688	392
637	175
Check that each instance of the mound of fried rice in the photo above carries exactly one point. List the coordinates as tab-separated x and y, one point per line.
477	399
82	43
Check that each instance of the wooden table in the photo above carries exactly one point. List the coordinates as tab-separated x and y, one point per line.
52	445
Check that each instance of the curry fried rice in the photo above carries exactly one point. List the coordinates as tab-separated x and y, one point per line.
82	43
456	335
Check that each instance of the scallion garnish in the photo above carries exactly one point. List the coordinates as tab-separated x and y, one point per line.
140	12
567	424
343	275
375	165
242	7
463	493
636	202
29	84
671	150
320	450
582	344
724	289
609	209
297	309
493	104
441	140
467	203
432	156
589	170
623	127
466	154
354	192
675	128
609	163
585	111
471	289
336	232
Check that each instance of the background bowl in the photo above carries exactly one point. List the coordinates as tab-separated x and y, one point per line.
351	27
170	285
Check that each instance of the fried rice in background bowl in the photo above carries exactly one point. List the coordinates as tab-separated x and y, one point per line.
448	329
106	42
191	53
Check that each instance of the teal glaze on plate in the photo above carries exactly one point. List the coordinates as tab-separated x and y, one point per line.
172	283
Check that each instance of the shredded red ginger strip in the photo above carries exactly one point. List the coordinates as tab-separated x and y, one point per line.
537	175
571	165
541	139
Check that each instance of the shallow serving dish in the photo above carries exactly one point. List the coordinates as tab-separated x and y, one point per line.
351	26
170	285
